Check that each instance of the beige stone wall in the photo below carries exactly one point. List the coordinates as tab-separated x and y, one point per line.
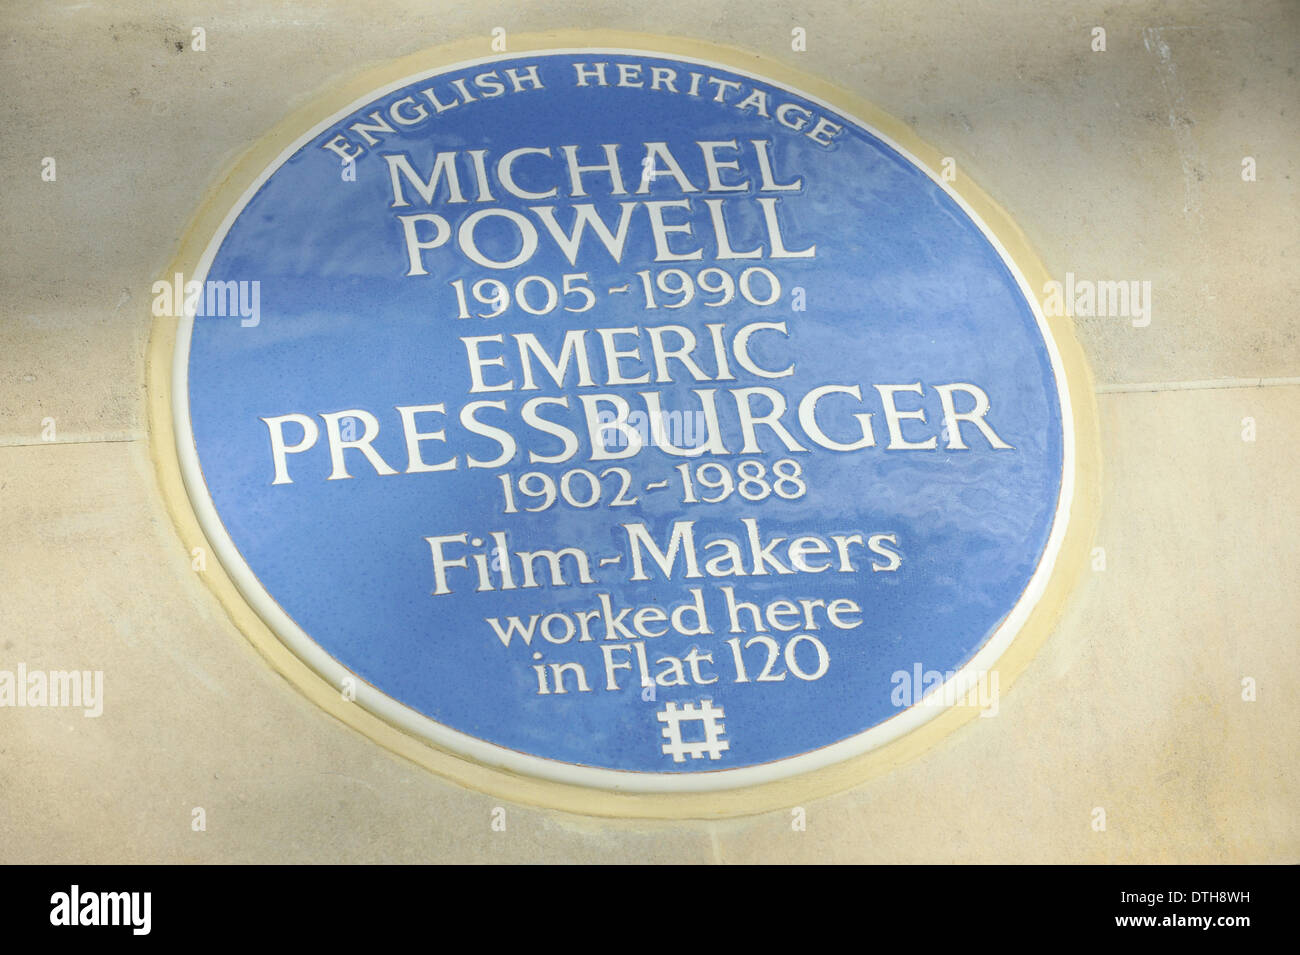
1122	164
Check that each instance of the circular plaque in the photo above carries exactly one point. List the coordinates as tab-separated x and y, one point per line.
623	418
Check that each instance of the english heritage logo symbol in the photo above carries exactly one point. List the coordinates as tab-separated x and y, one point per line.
625	420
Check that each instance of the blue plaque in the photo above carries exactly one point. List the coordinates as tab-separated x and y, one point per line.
623	419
